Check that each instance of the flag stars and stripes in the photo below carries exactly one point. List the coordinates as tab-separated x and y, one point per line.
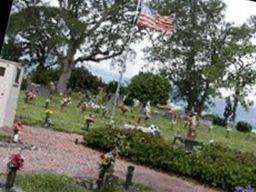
151	19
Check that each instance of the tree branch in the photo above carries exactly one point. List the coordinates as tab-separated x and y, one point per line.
93	56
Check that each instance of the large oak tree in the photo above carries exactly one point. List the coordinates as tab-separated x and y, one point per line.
84	31
198	52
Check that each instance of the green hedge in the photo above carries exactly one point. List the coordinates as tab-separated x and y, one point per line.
244	127
214	165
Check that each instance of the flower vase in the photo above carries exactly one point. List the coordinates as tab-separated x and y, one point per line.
101	177
16	138
129	176
11	178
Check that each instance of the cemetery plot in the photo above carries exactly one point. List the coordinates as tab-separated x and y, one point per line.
72	120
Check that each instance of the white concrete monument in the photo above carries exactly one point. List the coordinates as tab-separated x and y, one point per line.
10	81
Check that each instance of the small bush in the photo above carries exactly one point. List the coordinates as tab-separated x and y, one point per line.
244	127
214	165
219	121
216	120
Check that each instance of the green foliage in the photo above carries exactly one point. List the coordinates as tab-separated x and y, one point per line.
81	80
43	75
215	165
149	87
3	136
112	86
128	101
205	53
192	55
54	34
241	71
217	120
37	38
244	127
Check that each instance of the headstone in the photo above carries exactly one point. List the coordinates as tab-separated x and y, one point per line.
89	122
38	89
206	123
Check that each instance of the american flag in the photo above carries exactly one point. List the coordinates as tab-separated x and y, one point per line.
150	18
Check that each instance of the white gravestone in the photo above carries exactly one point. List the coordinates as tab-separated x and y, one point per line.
10	81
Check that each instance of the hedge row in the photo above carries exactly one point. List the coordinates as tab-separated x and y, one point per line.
214	165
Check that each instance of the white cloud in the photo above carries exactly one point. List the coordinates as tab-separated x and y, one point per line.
239	11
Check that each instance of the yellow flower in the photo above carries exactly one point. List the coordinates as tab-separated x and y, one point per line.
49	111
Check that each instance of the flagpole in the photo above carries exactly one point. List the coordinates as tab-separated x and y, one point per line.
123	65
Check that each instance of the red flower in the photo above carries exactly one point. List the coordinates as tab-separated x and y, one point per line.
18	125
16	161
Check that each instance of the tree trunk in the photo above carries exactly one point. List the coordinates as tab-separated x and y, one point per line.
235	105
67	68
200	104
233	117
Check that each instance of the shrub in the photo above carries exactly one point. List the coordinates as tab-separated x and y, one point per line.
244	127
216	120
128	101
214	165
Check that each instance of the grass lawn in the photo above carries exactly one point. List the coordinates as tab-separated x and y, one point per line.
60	183
72	120
49	183
3	136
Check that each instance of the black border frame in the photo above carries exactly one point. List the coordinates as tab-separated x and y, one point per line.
5	9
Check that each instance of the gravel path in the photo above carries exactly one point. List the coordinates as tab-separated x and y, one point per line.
56	152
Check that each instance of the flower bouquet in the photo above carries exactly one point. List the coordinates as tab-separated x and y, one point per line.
65	102
16	163
106	168
47	121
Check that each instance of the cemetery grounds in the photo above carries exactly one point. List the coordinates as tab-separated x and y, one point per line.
72	120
